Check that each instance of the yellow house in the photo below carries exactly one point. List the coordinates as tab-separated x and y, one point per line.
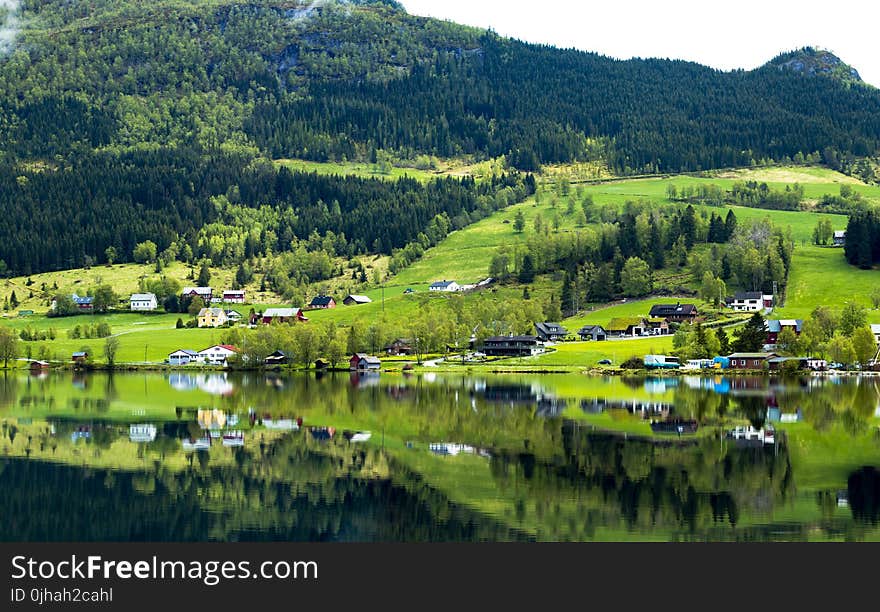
212	317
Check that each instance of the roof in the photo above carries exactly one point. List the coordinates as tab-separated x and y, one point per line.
281	312
233	292
751	356
143	297
513	338
80	299
776	325
80	354
213	311
367	358
197	290
231	313
588	329
321	300
748	295
550	328
441	284
840	234
623	323
875	328
228	347
189	352
669	310
360	299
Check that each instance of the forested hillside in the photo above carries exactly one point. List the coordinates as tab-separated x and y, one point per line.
141	113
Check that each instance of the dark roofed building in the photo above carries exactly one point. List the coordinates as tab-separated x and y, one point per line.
592	332
677	312
750	361
513	346
550	332
322	301
362	361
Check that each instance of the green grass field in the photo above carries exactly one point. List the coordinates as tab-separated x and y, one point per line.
821	276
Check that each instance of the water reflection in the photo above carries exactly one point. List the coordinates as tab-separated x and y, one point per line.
441	458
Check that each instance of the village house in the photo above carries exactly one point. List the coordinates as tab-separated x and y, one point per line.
206	293
212	317
875	328
674	313
803	363
218	354
277	358
182	357
624	327
400	346
656	327
80	357
362	361
444	285
322	302
592	332
775	326
750	301
279	315
750	361
513	346
550	332
233	296
839	238
233	316
354	300
143	301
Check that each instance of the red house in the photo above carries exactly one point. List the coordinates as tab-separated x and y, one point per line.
279	315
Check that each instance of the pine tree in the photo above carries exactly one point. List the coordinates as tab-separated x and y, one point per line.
204	275
527	273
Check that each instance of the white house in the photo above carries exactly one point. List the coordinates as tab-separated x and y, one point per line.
144	301
182	357
444	285
217	354
750	301
876	329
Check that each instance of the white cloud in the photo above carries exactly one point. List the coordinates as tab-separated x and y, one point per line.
744	34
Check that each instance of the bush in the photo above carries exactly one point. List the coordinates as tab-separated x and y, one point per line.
633	363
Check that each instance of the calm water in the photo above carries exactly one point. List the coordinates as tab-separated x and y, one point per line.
193	457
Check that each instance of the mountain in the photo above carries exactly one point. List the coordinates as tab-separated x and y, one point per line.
144	113
811	62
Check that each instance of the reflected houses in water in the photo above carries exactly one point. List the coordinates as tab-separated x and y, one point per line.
216	383
364	379
645	408
454	449
514	395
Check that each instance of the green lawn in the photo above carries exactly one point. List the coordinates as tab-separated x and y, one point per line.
821	276
587	354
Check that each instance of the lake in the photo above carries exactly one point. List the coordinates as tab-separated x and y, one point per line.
190	456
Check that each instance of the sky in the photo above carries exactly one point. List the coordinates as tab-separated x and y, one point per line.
739	34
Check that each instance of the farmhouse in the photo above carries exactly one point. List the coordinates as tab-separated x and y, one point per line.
279	315
677	312
233	316
362	361
444	285
233	296
840	238
143	301
212	317
550	332
875	328
323	302
353	300
750	301
622	327
277	358
182	357
218	354
592	332
775	326
401	346
203	292
513	346
80	357
750	361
